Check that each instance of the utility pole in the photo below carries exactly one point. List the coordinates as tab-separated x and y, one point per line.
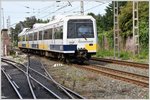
116	29
82	8
135	28
8	24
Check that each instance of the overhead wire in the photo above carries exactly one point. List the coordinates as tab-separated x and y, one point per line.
94	7
57	10
47	7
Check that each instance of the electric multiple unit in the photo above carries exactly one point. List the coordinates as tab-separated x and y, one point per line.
72	37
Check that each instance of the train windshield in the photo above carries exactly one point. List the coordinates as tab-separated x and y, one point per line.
80	29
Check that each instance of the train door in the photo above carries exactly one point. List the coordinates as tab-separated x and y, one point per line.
53	35
53	38
32	44
40	40
27	40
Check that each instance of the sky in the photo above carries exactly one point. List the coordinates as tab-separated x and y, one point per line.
19	10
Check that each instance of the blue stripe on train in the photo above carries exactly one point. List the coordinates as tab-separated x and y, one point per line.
63	47
70	47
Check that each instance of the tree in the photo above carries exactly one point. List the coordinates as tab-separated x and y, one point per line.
126	20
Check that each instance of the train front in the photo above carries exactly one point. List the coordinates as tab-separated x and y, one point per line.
82	37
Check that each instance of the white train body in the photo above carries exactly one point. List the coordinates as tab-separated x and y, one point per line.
70	36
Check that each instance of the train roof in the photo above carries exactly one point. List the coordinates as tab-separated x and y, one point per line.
24	31
59	19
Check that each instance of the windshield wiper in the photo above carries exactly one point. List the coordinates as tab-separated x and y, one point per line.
84	36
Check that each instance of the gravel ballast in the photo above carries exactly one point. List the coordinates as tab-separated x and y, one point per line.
93	85
144	72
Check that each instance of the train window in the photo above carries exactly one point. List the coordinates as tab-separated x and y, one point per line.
84	30
58	32
23	37
27	37
80	29
49	33
40	35
71	31
30	36
45	34
35	36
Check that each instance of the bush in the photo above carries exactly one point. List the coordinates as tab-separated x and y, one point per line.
104	53
125	55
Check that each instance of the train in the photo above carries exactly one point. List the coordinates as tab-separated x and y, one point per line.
71	38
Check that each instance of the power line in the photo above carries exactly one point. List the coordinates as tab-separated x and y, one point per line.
57	10
94	7
69	10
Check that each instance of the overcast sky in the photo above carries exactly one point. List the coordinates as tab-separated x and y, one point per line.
18	11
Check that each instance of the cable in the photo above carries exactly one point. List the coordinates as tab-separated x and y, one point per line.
57	10
94	7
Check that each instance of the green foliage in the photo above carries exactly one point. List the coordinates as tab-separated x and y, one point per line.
105	53
12	52
125	20
143	24
105	28
92	14
125	55
100	39
110	53
110	39
144	54
144	34
108	18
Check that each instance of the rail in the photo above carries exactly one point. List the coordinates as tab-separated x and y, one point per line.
68	92
121	62
8	61
116	74
12	84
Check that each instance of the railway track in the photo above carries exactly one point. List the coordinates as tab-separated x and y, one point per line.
41	89
48	83
121	62
16	79
136	79
117	74
9	84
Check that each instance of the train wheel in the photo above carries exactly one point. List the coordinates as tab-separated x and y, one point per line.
68	61
80	61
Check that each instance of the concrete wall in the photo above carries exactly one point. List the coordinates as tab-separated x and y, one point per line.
5	40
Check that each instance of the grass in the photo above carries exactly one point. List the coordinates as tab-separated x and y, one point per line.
142	57
105	53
